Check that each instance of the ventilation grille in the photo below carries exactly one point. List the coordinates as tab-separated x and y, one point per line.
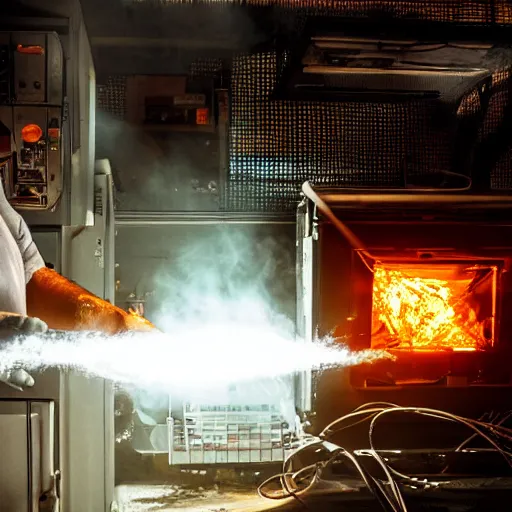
111	97
4	73
454	11
277	145
98	202
202	68
274	146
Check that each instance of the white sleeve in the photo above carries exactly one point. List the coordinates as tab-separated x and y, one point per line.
32	260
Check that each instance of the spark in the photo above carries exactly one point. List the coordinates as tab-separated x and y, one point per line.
187	360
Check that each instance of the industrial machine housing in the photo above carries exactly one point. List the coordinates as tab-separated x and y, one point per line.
47	166
32	116
434	295
52	181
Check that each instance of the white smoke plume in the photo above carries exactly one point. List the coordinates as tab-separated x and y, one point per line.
225	297
193	360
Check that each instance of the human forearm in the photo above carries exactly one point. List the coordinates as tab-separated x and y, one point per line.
64	305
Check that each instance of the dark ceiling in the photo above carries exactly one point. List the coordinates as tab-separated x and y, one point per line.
148	37
153	36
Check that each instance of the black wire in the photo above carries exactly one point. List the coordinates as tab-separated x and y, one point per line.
390	496
374	486
293	494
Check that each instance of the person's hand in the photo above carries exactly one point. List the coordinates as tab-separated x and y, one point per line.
11	325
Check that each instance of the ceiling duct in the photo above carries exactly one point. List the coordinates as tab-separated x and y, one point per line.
339	67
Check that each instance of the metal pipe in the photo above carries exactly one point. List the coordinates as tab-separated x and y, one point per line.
494	303
351	237
414	198
428	70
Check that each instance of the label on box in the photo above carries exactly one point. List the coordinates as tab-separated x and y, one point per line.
190	100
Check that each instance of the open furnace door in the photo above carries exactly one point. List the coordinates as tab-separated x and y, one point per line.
305	285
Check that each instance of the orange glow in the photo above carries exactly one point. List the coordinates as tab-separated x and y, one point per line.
202	116
31	133
30	50
426	310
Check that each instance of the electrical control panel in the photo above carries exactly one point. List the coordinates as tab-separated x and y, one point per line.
31	117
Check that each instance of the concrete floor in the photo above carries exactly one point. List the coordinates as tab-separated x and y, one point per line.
150	498
148	483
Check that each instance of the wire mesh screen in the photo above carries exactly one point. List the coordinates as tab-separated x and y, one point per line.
111	96
206	67
459	11
274	146
496	133
455	11
277	145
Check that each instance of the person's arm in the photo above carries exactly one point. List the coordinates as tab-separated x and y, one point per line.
56	300
66	306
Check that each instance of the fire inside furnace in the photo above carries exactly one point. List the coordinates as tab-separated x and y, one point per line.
434	307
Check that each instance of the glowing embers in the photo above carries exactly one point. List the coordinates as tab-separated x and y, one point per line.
434	307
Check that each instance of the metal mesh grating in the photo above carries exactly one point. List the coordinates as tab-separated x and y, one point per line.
111	97
471	11
5	62
455	11
497	129
276	145
206	68
501	177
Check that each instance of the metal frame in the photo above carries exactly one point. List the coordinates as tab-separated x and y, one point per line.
131	218
27	404
200	455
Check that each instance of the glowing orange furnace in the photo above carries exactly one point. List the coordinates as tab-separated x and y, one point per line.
434	307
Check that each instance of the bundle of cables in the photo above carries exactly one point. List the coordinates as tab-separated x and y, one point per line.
298	479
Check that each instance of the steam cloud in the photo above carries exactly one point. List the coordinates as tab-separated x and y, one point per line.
223	294
153	173
226	339
232	289
225	276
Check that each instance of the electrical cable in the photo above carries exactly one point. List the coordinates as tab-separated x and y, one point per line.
387	491
492	419
294	494
434	190
373	404
472	424
372	484
459	175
